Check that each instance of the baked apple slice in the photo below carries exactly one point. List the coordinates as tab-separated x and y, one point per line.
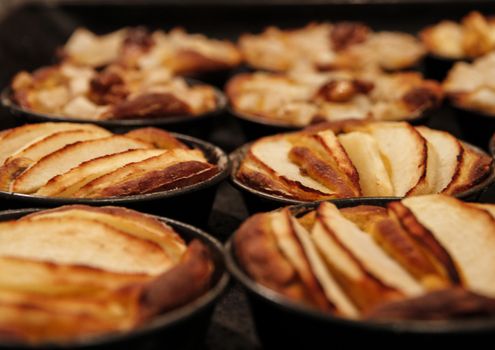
69	157
474	254
368	275
364	153
405	154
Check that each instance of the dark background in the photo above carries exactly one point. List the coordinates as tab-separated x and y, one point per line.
30	31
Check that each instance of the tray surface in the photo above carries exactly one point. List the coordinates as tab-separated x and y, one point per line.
40	29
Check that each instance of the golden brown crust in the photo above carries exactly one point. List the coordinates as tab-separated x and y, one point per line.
425	239
337	156
258	253
473	168
308	220
364	216
321	171
297	189
175	176
157	137
397	243
367	291
10	171
186	281
265	181
313	287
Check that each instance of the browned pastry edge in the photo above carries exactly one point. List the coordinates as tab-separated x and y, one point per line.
312	284
426	240
452	303
257	250
338	159
477	169
175	176
184	282
145	297
316	168
395	241
364	216
10	171
262	182
156	137
295	188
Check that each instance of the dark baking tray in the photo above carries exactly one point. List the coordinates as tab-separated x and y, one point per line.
182	328
282	323
29	34
191	203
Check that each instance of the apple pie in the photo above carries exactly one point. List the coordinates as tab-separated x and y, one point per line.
471	85
472	37
78	271
176	51
330	46
302	96
86	161
362	159
115	93
425	257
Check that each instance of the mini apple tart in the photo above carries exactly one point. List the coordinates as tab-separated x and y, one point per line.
115	93
361	159
473	37
302	96
330	46
471	86
176	50
422	258
73	160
